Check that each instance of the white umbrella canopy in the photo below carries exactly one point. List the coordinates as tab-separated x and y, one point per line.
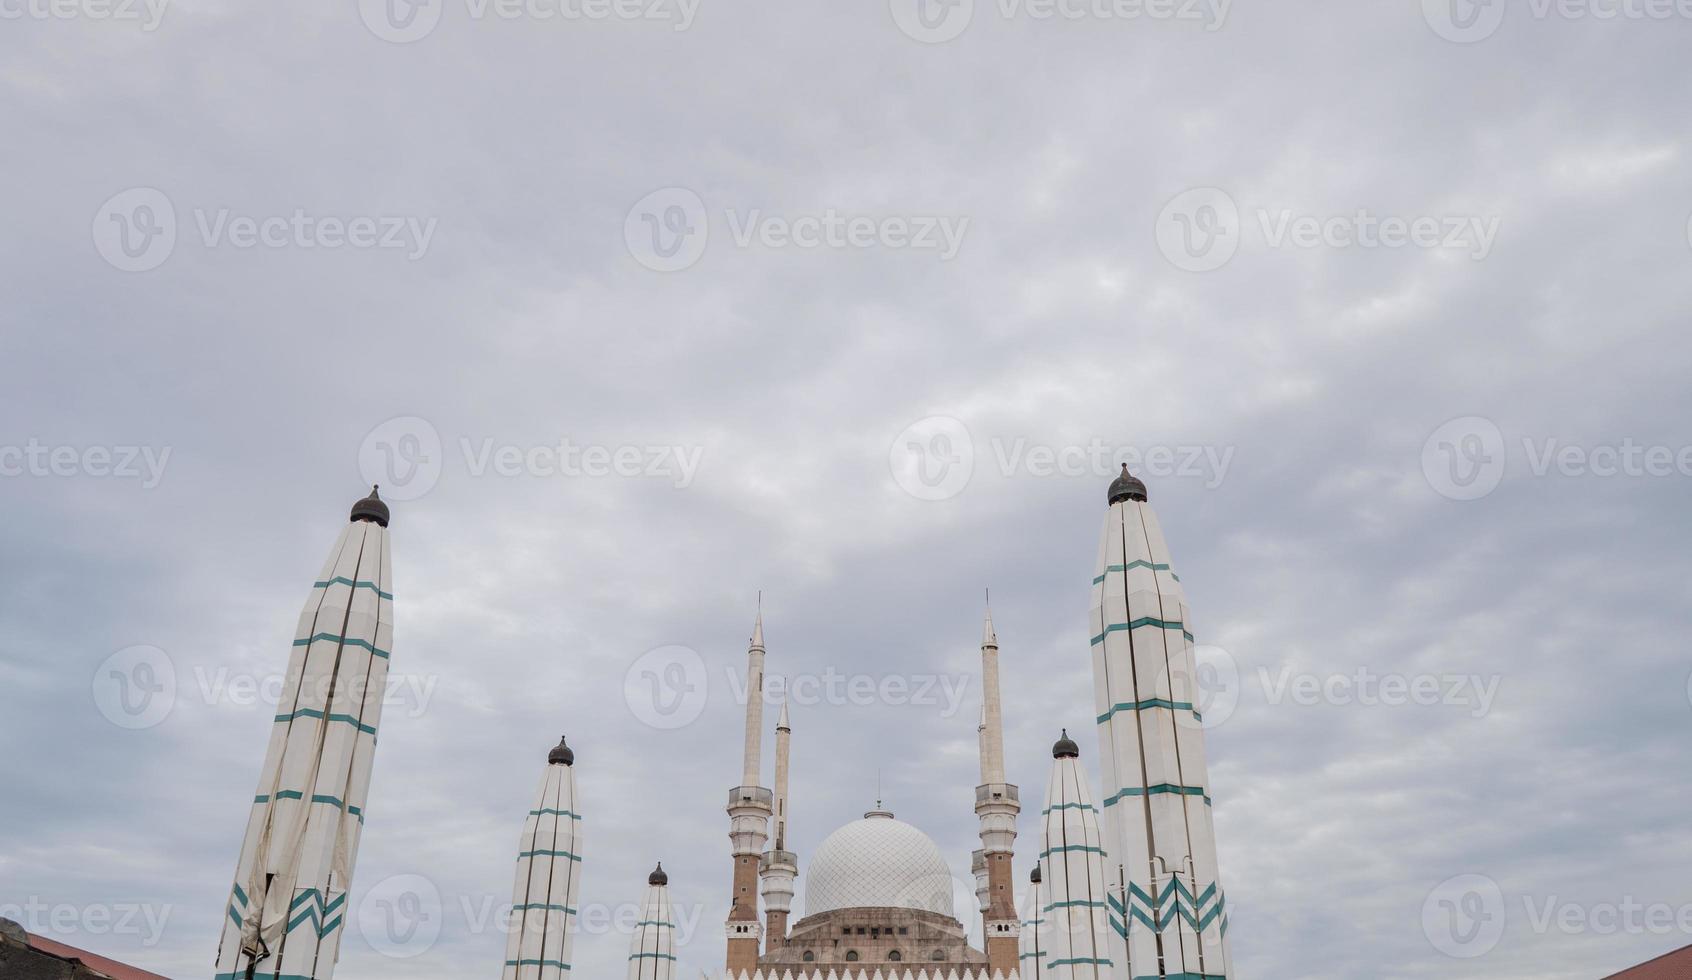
1167	899
288	903
652	954
1032	952
549	877
1073	888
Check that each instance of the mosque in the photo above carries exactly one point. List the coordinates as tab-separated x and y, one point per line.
1123	889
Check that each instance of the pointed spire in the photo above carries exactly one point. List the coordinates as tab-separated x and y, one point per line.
782	724
758	624
988	637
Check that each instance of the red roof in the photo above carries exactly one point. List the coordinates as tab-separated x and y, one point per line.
94	961
1673	966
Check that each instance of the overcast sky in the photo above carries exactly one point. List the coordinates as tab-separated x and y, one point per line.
859	305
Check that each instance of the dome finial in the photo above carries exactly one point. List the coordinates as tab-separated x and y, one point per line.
1126	487
1066	748
561	754
1035	876
371	508
658	878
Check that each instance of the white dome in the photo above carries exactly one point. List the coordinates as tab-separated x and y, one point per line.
879	863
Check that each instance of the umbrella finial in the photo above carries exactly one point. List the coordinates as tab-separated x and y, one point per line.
371	508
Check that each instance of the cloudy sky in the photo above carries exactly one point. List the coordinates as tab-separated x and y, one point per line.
859	305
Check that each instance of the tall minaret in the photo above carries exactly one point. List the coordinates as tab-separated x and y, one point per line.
652	954
1033	957
288	902
780	866
996	805
549	876
749	811
1073	889
1156	787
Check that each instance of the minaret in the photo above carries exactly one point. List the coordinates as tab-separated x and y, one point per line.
288	902
1073	890
1157	819
749	811
549	876
996	805
780	866
1033	958
652	955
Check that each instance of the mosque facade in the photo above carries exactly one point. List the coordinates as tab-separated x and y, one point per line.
1124	883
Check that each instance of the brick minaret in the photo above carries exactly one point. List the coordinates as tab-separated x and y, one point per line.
780	866
749	819
997	806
